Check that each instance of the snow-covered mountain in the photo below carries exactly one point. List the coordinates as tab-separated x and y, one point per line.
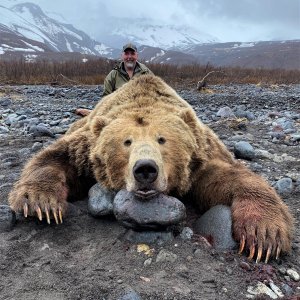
161	56
26	28
263	54
146	32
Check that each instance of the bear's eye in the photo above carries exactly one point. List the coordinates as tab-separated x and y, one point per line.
128	142
161	140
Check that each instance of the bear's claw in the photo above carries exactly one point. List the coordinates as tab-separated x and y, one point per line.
242	244
31	201
25	208
259	254
259	251
39	213
259	235
58	216
268	254
252	251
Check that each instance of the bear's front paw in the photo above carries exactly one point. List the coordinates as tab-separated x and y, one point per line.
263	236
39	199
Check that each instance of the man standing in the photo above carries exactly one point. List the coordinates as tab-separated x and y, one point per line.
125	71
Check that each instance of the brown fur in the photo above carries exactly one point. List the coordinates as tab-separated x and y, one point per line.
146	119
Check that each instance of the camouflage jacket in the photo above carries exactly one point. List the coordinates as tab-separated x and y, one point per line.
118	76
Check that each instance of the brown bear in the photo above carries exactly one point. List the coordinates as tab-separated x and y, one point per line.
146	139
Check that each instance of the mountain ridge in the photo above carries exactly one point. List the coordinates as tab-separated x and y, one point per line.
27	20
26	31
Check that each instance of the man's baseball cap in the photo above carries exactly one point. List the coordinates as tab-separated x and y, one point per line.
129	47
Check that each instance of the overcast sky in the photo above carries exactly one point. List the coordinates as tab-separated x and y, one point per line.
228	20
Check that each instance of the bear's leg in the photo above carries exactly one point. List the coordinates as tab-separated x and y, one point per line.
43	186
262	222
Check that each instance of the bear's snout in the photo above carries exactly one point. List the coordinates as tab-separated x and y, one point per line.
145	171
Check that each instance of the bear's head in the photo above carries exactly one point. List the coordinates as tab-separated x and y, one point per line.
145	153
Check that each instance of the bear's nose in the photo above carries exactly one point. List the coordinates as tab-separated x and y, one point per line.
145	171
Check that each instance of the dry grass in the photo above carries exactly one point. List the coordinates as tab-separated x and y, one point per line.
93	72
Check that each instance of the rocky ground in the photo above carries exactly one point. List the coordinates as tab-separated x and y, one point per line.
89	258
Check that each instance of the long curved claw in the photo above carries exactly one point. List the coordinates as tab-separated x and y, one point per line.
55	216
278	252
259	253
268	254
39	213
47	215
25	208
242	244
252	251
60	215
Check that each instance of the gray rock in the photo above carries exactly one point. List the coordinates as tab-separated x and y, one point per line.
284	186
33	121
276	289
250	116
277	134
288	291
244	114
132	295
216	226
186	233
293	274
283	123
244	150
40	130
290	130
54	122
282	270
166	256
24	111
100	201
24	152
22	117
225	112
5	102
37	146
9	159
59	130
148	262
156	212
7	218
11	119
3	130
295	137
263	154
261	288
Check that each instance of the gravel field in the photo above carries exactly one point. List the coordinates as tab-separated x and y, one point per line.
90	258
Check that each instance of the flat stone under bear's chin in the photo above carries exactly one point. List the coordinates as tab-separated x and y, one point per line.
158	212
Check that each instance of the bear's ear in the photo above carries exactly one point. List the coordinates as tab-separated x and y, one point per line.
189	117
98	124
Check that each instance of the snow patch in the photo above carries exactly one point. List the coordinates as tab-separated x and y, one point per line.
37	48
102	49
161	53
30	58
69	46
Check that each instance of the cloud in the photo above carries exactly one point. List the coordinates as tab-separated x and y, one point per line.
247	19
228	20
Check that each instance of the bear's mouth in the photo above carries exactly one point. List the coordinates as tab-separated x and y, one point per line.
146	194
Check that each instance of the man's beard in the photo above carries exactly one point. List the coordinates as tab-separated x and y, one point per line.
129	64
